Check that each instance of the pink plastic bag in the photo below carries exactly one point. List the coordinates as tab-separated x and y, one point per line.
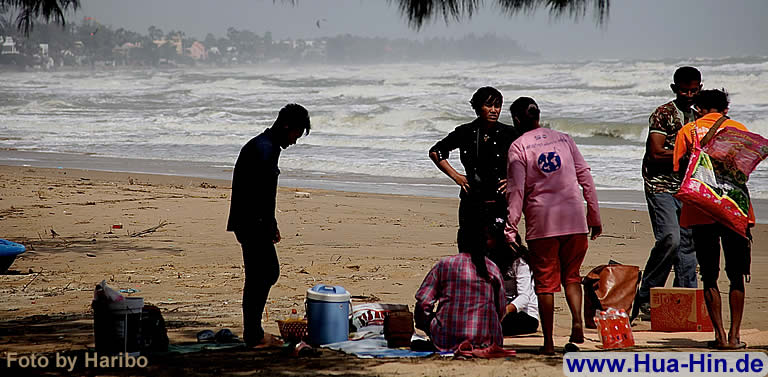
716	179
740	149
104	293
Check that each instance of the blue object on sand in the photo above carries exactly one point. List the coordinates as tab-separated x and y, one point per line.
327	314
206	336
9	249
8	252
374	347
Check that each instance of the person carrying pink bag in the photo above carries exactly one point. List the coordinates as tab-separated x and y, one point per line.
708	232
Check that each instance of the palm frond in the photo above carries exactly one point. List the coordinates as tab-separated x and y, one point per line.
417	12
578	8
31	10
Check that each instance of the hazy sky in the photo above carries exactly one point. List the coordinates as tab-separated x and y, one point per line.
636	28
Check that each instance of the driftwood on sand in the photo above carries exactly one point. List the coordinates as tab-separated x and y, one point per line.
150	230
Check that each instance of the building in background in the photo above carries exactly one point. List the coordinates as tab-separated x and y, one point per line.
8	47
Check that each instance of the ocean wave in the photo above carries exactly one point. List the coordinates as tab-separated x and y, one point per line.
293	81
44	107
197	114
394	123
636	133
371	144
603	155
422	168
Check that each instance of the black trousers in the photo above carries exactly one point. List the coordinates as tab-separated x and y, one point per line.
519	323
261	272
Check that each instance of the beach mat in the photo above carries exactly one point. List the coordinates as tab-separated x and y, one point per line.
374	347
199	347
645	339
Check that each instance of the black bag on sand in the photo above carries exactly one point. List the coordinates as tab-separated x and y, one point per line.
154	336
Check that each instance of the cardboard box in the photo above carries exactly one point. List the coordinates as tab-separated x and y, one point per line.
679	309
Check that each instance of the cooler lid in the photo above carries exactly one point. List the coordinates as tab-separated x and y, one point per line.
8	248
328	293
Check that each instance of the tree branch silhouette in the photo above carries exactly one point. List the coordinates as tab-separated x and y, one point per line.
417	12
32	10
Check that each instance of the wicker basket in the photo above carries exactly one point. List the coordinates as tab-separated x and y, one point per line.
294	330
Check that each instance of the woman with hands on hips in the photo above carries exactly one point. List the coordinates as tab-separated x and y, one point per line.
483	145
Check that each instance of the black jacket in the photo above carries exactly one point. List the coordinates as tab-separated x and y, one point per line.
484	159
254	188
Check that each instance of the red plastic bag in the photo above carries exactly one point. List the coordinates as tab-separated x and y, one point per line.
716	178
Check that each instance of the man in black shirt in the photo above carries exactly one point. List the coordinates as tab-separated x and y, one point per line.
252	213
483	145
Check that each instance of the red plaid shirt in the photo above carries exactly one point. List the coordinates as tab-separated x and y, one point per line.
469	307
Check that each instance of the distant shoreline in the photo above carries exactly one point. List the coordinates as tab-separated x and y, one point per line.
442	188
274	63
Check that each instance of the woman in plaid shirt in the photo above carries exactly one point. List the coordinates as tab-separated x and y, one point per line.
462	298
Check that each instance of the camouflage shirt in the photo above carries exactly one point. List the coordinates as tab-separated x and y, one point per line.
666	120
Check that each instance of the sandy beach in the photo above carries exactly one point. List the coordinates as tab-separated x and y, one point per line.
377	246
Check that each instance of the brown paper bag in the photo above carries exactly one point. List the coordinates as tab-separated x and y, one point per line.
609	286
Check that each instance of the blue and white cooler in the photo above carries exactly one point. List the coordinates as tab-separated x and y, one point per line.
8	252
327	314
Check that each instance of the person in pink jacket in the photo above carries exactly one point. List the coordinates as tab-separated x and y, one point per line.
547	178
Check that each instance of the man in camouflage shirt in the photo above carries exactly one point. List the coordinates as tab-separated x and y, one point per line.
673	243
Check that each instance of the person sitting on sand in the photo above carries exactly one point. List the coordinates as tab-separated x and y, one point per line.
252	214
462	298
544	172
522	309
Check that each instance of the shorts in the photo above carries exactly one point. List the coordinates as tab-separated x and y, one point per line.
736	250
556	260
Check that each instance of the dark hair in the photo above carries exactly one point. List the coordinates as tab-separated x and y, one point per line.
504	254
687	74
471	240
521	110
520	107
484	95
293	116
712	99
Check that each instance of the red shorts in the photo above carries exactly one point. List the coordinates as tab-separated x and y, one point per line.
557	260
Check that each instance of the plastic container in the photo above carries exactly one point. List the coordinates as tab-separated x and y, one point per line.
117	326
327	314
598	320
605	330
615	330
8	252
628	340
